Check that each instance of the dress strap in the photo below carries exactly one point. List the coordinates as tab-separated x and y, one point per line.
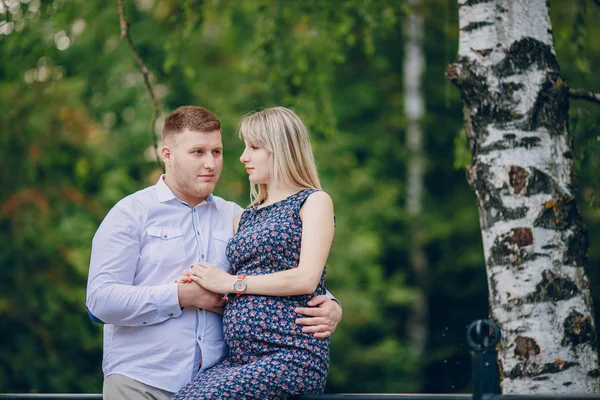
300	197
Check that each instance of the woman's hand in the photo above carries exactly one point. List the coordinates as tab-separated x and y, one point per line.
212	278
185	278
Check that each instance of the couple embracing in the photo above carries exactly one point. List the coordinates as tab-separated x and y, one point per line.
250	317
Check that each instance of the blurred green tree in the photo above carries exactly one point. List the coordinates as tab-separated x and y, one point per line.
76	138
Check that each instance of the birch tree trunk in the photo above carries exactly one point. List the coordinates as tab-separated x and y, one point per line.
413	106
516	113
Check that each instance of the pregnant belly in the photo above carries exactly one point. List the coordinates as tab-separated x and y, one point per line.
261	319
255	326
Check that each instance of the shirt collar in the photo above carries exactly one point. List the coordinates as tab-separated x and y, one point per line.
165	194
210	199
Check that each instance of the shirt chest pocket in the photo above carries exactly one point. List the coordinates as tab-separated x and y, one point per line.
166	245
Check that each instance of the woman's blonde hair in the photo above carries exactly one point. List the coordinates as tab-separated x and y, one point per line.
281	132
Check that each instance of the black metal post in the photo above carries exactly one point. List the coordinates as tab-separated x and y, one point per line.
483	336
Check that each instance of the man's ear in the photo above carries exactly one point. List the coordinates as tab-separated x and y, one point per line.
165	153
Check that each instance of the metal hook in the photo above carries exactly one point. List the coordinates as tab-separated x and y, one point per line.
483	335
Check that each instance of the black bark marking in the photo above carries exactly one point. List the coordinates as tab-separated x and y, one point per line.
493	285
501	9
541	378
556	367
478	176
537	372
524	54
483	52
595	373
553	288
476	25
540	182
530	141
470	3
526	347
511	86
578	330
577	247
568	154
510	248
518	178
577	242
510	142
551	107
559	214
516	372
480	105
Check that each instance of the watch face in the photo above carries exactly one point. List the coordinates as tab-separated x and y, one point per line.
239	285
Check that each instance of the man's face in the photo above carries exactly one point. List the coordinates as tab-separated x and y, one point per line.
193	161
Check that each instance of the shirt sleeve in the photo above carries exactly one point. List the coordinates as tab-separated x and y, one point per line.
111	295
328	294
237	209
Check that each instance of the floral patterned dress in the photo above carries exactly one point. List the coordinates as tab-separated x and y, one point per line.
269	355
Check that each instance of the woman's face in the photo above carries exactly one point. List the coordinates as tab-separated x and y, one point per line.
258	163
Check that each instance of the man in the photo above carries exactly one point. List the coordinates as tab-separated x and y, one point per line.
158	333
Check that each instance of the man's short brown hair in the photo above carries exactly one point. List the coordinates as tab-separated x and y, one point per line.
191	118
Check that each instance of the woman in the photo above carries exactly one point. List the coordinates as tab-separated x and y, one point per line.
278	257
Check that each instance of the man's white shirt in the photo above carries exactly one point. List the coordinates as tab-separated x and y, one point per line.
139	250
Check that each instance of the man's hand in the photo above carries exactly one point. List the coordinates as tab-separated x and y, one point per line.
191	294
326	315
220	309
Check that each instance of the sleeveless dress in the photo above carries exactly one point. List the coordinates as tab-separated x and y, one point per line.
269	355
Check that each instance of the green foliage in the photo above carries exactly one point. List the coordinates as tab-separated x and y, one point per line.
462	155
48	218
77	138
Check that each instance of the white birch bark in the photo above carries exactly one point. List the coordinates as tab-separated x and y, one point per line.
516	114
413	107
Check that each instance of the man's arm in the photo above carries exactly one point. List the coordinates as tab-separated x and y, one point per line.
321	317
111	296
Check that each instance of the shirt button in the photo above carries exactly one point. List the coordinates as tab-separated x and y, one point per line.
170	314
203	256
165	236
197	232
145	322
199	337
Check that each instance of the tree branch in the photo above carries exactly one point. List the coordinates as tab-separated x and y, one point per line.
579	94
125	34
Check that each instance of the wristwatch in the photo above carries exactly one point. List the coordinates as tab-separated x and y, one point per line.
239	286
